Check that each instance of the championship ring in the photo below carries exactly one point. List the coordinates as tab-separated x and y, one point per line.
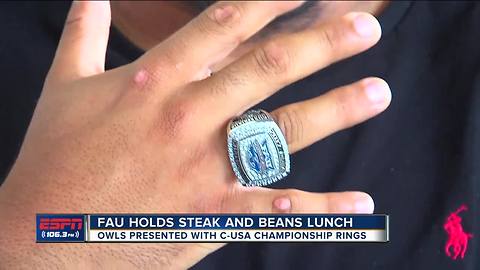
257	149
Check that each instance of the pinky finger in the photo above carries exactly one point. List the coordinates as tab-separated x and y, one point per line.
264	200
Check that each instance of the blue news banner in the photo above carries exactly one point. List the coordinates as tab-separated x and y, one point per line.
210	228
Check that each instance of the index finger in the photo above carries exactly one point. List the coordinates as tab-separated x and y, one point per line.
212	36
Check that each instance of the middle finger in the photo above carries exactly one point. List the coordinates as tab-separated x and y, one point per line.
282	61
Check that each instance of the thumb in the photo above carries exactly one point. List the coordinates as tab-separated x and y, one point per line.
82	47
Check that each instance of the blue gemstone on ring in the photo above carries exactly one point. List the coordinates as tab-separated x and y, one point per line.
257	149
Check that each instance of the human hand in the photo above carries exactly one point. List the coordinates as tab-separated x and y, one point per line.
150	136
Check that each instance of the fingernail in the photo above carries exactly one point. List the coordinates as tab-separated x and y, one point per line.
364	25
378	91
203	74
364	205
223	14
282	204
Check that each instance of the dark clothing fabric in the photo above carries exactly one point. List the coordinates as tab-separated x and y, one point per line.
420	159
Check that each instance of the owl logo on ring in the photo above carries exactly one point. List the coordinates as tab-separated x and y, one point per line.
259	157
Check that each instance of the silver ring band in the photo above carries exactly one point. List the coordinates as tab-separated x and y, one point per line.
257	149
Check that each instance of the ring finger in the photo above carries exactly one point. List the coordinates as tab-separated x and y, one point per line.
304	123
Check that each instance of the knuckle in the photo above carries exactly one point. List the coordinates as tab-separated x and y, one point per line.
272	59
329	205
150	74
291	124
329	37
74	28
295	197
224	201
74	21
220	21
234	200
231	79
174	120
249	205
196	156
342	103
226	15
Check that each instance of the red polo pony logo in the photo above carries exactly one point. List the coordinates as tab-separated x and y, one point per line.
457	237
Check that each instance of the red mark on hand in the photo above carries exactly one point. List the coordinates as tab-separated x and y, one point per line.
457	237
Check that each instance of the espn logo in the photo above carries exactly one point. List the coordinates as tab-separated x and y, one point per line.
60	223
58	228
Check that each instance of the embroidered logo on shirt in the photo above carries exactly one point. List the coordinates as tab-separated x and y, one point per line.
457	237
